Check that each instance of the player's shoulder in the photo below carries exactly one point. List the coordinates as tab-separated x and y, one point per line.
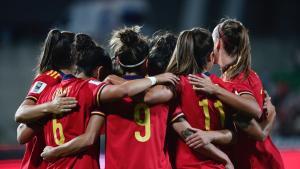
215	79
253	75
92	84
50	76
43	81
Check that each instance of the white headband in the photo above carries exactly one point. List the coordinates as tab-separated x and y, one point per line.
131	66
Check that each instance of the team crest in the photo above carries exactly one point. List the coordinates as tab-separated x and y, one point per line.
38	87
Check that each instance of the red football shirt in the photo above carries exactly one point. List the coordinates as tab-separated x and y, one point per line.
135	135
61	129
258	154
203	112
32	158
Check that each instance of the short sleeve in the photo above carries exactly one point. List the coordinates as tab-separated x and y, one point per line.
96	87
241	89
41	83
176	113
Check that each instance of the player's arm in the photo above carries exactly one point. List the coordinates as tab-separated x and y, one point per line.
245	103
158	94
134	87
200	137
182	127
256	130
114	79
24	133
79	143
29	111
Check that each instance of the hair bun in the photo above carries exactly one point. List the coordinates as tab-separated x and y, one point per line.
55	34
130	36
83	41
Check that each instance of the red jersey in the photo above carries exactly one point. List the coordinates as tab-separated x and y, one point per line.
32	156
258	154
61	129
203	112
135	135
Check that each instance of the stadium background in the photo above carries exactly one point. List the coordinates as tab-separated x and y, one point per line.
274	29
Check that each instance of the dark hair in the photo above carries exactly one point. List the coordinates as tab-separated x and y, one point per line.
191	53
88	55
235	38
56	52
130	47
162	46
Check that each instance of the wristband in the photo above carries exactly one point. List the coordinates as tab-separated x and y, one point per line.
153	80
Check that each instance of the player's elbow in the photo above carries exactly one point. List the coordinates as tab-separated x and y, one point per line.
148	98
260	137
90	140
19	118
256	113
21	140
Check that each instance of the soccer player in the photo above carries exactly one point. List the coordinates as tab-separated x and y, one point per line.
67	141
138	124
193	55
232	46
54	59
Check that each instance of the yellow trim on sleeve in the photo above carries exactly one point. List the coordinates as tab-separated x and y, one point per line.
98	113
98	94
176	117
245	92
32	98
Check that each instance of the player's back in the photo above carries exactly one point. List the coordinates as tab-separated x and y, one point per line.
35	146
61	129
259	154
203	112
135	135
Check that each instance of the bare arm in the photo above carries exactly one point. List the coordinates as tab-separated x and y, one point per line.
246	103
114	79
29	111
77	144
259	131
182	127
199	137
158	94
24	133
133	87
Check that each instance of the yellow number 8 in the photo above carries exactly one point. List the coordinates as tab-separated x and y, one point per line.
58	126
138	109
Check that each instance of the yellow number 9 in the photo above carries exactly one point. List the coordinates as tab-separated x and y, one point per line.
142	108
58	126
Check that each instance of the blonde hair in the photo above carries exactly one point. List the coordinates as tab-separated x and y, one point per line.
235	38
191	52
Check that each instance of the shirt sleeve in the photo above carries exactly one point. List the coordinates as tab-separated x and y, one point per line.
40	84
177	113
96	87
241	89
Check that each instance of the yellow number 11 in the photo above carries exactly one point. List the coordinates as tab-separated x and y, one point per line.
218	105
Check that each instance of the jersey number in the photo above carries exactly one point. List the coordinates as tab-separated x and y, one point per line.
218	105
140	109
57	128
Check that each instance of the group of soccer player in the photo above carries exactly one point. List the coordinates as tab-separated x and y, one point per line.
154	99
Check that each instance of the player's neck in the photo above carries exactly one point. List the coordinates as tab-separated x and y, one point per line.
81	76
66	71
226	60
